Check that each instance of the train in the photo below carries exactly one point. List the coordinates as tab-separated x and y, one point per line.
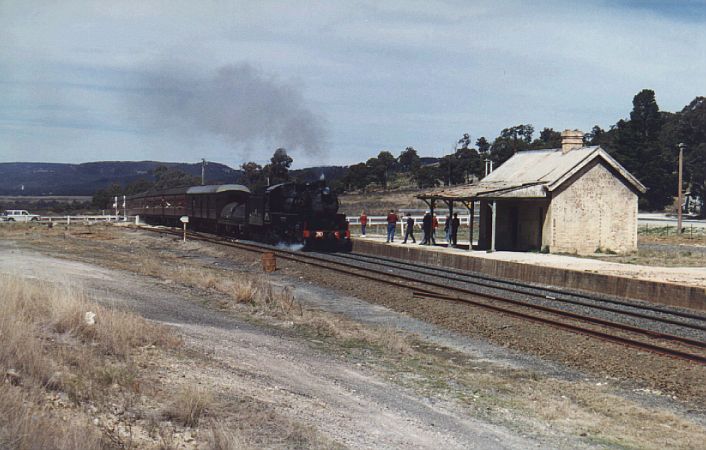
304	214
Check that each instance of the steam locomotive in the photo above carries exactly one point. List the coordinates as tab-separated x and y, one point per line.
287	213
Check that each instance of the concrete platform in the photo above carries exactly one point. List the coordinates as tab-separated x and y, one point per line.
684	287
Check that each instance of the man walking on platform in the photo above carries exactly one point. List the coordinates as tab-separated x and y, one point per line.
363	223
410	229
391	225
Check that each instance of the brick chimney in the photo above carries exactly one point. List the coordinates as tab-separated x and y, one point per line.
571	139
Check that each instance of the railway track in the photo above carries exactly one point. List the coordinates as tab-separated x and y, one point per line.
684	348
575	297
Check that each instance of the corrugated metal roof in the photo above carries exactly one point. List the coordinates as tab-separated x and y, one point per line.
536	166
532	173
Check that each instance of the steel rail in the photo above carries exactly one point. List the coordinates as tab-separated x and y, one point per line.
586	331
469	277
594	320
653	308
294	256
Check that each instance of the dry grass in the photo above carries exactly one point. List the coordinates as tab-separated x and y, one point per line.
49	345
25	425
223	438
189	405
353	334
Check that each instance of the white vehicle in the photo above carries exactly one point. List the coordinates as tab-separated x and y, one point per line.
18	215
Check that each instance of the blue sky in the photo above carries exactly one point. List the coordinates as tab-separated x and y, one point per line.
334	82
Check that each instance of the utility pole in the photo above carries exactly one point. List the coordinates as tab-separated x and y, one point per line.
679	192
204	163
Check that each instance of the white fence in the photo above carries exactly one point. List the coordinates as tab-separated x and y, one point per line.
382	220
84	219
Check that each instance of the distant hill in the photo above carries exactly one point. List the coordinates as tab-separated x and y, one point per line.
85	179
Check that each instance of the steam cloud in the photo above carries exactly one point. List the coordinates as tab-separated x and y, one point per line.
238	103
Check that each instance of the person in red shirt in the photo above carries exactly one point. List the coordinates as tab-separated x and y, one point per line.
363	223
391	226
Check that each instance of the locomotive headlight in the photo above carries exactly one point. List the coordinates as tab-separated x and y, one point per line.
319	234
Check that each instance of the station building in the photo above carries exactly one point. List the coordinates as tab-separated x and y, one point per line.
572	199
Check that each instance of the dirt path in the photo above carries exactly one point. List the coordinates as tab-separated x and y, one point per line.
349	403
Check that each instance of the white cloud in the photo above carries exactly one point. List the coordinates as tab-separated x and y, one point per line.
383	74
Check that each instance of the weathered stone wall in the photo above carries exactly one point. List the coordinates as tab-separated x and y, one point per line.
595	211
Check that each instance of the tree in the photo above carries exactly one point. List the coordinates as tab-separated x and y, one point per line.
548	138
357	177
483	145
166	178
465	141
696	168
278	169
104	198
381	167
460	166
510	141
252	174
691	130
645	118
138	186
427	176
596	136
637	145
409	159
518	133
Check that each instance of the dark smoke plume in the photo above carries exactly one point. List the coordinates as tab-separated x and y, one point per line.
237	103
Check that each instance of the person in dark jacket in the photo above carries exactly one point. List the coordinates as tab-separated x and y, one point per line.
455	223
409	233
426	228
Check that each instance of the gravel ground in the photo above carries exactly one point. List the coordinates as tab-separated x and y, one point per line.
505	343
350	404
679	378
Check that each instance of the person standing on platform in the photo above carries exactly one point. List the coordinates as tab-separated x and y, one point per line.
434	226
447	229
410	229
426	228
391	225
363	223
455	224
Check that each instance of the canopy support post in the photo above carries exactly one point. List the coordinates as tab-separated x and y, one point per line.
492	236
